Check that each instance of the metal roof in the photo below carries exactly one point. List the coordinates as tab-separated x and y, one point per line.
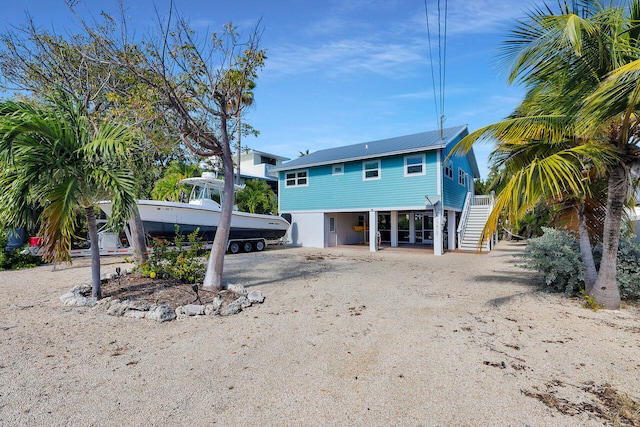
384	147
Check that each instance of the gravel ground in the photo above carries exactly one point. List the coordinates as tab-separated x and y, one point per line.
345	337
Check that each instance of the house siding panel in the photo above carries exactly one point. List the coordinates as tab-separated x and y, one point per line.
453	193
327	192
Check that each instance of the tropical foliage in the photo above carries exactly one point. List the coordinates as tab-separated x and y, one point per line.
182	262
576	125
257	197
556	254
169	187
55	160
15	259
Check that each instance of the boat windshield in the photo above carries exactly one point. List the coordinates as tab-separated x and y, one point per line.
199	192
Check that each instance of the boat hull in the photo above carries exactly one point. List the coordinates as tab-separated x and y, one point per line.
160	219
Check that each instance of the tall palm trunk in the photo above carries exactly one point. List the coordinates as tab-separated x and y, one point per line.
606	289
96	291
213	276
590	273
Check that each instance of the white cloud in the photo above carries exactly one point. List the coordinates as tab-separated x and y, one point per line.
346	56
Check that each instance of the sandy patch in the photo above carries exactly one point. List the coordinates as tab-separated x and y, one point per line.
345	337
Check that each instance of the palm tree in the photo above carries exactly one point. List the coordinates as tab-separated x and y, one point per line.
169	187
57	161
256	197
574	60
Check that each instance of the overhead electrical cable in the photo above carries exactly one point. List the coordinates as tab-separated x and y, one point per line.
433	75
439	98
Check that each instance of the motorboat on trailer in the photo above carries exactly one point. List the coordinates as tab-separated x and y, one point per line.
202	211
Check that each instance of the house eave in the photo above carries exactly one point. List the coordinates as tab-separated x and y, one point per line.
358	158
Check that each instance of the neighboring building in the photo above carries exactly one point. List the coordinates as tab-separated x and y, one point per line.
260	165
401	187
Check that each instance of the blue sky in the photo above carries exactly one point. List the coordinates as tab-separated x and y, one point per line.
344	71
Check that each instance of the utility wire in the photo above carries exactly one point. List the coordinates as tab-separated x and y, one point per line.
433	76
442	60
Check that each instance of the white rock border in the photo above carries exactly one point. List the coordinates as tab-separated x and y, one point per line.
80	296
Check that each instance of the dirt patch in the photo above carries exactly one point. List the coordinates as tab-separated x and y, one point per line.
135	287
608	404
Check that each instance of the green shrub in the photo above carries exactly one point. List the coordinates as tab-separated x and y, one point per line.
182	261
556	254
16	259
628	266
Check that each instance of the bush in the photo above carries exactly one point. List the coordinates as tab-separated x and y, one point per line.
181	262
556	254
16	259
628	268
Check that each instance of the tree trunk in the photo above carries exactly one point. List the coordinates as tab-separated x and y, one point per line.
590	273
96	290
238	150
213	276
606	290
138	242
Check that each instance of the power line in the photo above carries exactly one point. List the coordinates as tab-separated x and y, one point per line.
442	60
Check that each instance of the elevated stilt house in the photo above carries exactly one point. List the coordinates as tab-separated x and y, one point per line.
395	191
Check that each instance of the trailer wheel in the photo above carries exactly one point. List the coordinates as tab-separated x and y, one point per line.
247	246
260	245
234	247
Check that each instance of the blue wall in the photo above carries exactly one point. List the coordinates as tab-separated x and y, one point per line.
348	191
454	193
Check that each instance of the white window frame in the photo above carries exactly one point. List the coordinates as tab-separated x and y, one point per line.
462	177
296	178
339	165
448	170
365	170
422	164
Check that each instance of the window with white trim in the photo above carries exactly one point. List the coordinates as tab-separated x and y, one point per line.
297	178
448	170
462	177
338	169
414	165
370	170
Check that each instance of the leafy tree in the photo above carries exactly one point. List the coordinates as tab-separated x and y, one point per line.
578	65
256	197
189	76
35	62
57	160
169	187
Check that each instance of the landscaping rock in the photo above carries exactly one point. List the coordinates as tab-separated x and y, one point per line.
79	296
244	302
255	297
190	310
237	289
233	308
161	313
213	308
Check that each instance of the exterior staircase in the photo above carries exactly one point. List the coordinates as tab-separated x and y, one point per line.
474	217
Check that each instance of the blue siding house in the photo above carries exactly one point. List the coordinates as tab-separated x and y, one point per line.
400	187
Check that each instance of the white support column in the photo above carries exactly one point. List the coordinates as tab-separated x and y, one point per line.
394	229
451	229
437	229
412	228
373	230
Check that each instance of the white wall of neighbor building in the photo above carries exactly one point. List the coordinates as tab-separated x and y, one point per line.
307	229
